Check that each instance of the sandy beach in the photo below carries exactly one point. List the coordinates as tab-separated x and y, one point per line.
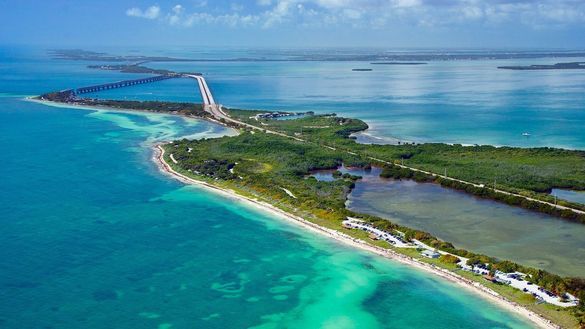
475	287
114	109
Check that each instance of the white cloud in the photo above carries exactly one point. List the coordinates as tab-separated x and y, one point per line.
230	20
178	9
352	13
152	12
278	13
175	17
374	13
407	3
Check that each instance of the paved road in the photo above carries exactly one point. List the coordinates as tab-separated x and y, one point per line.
203	89
217	111
482	186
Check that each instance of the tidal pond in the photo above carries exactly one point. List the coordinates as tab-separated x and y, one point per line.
570	195
471	223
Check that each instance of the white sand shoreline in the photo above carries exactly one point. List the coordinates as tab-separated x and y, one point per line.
120	110
475	287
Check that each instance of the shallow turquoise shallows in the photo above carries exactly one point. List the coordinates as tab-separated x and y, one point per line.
94	236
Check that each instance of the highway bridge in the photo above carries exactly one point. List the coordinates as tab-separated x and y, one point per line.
206	95
204	90
209	103
121	84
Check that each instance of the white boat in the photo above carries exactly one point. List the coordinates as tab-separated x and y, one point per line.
525	134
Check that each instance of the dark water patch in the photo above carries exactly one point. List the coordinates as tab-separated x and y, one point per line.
327	175
21	285
293	278
104	295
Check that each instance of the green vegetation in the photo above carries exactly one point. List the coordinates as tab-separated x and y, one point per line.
318	128
262	169
535	169
136	68
131	68
150	106
449	259
531	172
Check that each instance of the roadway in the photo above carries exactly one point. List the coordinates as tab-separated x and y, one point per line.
217	111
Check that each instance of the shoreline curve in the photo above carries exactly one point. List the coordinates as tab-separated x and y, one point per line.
475	287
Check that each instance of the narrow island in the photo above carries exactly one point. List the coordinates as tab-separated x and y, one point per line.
270	162
86	55
557	66
398	63
394	58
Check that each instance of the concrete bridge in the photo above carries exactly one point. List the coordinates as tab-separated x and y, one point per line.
204	90
209	103
120	84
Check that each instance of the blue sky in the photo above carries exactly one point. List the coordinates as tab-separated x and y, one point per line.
297	23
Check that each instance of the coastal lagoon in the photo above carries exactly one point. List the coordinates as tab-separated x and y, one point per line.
474	224
95	236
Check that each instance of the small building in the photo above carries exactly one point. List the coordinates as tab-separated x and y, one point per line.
489	278
430	253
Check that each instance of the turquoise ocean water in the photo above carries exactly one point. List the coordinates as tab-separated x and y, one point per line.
94	236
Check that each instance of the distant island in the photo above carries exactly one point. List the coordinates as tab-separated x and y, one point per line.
557	66
85	55
361	70
137	68
396	58
398	63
